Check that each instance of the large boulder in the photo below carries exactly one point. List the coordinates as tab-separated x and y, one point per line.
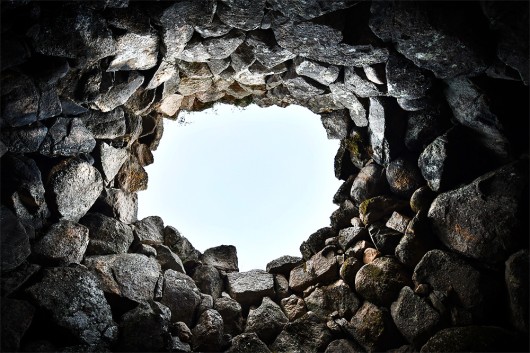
337	297
306	334
481	220
248	342
208	333
73	300
370	182
321	267
267	320
65	243
283	265
181	296
107	235
223	257
133	276
248	288
230	311
208	280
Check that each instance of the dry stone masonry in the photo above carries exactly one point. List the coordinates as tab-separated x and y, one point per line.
427	250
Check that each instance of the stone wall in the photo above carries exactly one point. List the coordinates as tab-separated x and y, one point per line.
428	249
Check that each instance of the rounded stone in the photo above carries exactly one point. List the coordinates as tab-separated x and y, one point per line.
403	176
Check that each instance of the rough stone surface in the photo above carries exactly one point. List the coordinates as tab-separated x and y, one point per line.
75	302
516	276
17	316
283	265
294	307
267	320
208	333
149	230
343	346
223	257
248	342
167	259
132	276
250	287
480	220
381	280
322	267
337	297
368	183
181	296
65	242
107	235
306	334
230	311
15	241
208	280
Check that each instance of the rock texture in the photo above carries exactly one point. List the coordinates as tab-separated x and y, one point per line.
427	250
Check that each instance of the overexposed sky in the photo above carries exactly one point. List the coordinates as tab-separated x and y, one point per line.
260	179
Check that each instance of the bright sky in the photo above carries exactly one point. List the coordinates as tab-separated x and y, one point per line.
260	179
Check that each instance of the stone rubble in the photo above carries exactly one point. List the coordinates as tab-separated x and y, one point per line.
426	251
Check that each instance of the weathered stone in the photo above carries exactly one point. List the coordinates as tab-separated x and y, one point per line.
107	235
180	246
416	241
248	342
405	80
369	255
26	139
342	95
348	236
181	296
378	207
336	297
336	123
167	259
293	307
283	265
119	94
373	328
132	276
135	52
447	272
384	239
305	334
349	269
20	100
386	126
149	230
370	182
111	125
111	160
414	317
267	320
75	302
208	280
145	328
398	222
516	277
480	220
472	339
241	13
14	279
281	287
343	346
381	280
223	257
118	204
325	75
360	86
216	28
67	137
65	242
14	239
132	176
308	9
17	316
403	176
321	267
76	185
421	199
342	216
250	287
208	333
230	310
301	88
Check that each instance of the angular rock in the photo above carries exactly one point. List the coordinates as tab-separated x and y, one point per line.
325	75
230	311
405	80
181	246
135	52
241	14
342	216
471	339
348	236
342	95
446	272
248	288
67	137
74	301
370	182
110	125
20	100
14	279
76	185
107	235
516	277
145	328
315	242
283	265
480	220
14	240
349	269
386	126
25	139
111	160
267	320
65	243
369	255
118	204
343	346
132	276
119	94
398	222
149	230
248	342
321	267
132	176
181	296
167	259
414	317
208	280
372	327
293	307
361	87
336	123
381	280
306	334
378	207
17	316
223	257
384	239
216	28
308	9
336	297
208	333
281	287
